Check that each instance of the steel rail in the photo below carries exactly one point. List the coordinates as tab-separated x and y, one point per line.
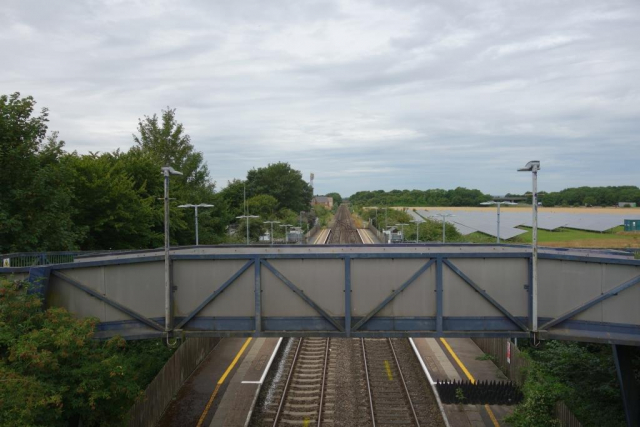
286	385
324	381
366	372
404	384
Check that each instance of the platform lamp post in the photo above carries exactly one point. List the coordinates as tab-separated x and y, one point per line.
247	217
401	229
272	222
167	171
444	223
286	230
201	205
533	167
376	208
498	204
418	222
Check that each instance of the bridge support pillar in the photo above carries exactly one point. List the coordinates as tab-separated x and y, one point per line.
622	355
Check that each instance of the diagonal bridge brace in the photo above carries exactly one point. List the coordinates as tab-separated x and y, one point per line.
582	307
215	294
394	294
301	294
484	294
112	303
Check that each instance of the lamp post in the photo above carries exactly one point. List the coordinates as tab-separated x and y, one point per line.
247	217
167	171
401	229
444	223
286	234
418	222
498	204
272	222
201	205
385	216
376	208
533	167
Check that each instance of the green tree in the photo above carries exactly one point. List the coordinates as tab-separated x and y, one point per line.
282	182
337	199
35	207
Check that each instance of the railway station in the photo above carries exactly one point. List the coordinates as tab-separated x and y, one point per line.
348	331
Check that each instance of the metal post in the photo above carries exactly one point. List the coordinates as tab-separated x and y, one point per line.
533	167
197	240
271	233
385	217
167	268
498	231
444	222
417	231
535	248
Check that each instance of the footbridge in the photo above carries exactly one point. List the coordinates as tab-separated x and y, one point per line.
351	291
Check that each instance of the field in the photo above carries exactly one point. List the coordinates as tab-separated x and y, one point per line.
564	237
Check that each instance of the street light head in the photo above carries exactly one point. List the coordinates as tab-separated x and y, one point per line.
488	203
187	206
532	166
168	170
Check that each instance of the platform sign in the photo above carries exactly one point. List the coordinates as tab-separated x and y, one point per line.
509	352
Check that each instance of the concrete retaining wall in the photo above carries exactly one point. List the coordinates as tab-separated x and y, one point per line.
146	412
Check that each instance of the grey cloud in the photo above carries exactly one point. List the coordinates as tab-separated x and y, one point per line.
366	94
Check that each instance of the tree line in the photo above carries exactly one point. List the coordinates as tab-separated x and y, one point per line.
436	197
53	199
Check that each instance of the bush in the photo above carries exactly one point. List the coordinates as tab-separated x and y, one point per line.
52	371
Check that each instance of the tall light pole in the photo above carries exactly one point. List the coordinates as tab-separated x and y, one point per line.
247	217
385	217
167	171
272	222
401	229
376	208
444	223
418	222
286	234
201	205
533	167
498	204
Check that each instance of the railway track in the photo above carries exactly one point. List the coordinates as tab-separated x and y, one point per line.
305	398
343	230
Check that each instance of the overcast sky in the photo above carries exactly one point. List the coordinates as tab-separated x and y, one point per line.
367	95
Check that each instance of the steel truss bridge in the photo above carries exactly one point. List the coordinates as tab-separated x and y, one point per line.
351	291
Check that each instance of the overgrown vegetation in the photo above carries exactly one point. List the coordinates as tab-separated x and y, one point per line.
53	373
582	375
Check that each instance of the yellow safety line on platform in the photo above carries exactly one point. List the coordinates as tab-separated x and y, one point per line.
220	381
471	378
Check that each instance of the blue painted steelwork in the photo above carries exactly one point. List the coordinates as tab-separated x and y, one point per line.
302	295
258	294
370	324
394	294
218	291
439	296
582	307
484	294
109	301
347	295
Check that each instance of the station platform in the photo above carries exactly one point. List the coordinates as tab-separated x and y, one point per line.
234	409
461	358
